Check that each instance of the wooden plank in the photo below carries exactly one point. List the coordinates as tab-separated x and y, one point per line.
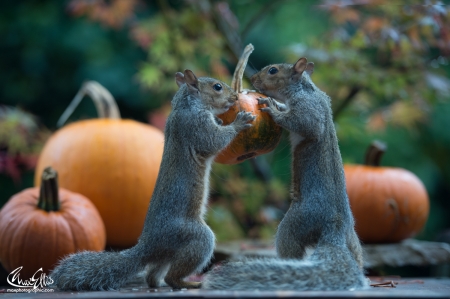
404	288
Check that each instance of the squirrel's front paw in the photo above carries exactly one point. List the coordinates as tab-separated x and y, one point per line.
218	120
242	120
262	101
272	105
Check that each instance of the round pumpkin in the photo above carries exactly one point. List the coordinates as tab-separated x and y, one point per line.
113	162
263	137
39	226
389	204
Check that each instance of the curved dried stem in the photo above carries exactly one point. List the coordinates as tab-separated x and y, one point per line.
374	153
104	102
49	192
236	83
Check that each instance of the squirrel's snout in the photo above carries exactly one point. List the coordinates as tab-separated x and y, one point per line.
233	99
256	82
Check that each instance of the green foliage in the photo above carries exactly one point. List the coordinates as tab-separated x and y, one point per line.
223	223
382	60
179	39
19	132
253	204
47	54
174	37
21	139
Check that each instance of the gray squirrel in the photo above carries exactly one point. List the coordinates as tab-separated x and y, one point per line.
319	216
175	241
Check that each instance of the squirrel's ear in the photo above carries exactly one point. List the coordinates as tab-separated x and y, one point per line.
310	68
191	80
179	79
300	65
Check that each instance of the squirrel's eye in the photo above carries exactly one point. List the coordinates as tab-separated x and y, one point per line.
217	87
273	70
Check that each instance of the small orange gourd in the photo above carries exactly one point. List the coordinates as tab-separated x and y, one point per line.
112	161
39	226
263	137
389	204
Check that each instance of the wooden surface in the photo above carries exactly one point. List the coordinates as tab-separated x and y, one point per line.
404	288
407	253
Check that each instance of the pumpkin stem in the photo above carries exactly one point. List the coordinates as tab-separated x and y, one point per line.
103	100
49	195
236	82
374	153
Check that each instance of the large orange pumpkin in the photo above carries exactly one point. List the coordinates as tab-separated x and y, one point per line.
38	226
389	204
111	161
263	137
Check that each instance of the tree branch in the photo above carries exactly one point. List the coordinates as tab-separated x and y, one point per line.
261	169
348	99
232	37
259	16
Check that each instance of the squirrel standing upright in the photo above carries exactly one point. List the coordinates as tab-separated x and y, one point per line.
319	217
175	241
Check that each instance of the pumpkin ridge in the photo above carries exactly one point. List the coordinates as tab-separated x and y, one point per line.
56	232
74	221
44	239
9	238
23	249
65	230
392	203
68	223
14	257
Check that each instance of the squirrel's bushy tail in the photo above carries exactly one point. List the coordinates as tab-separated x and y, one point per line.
338	271
96	271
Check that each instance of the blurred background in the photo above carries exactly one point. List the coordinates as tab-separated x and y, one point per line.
386	68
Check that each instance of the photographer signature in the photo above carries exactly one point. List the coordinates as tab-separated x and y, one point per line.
37	281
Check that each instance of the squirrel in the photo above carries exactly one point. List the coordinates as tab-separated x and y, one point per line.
175	241
319	216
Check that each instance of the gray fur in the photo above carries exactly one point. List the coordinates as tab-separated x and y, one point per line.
319	272
76	271
175	241
319	215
